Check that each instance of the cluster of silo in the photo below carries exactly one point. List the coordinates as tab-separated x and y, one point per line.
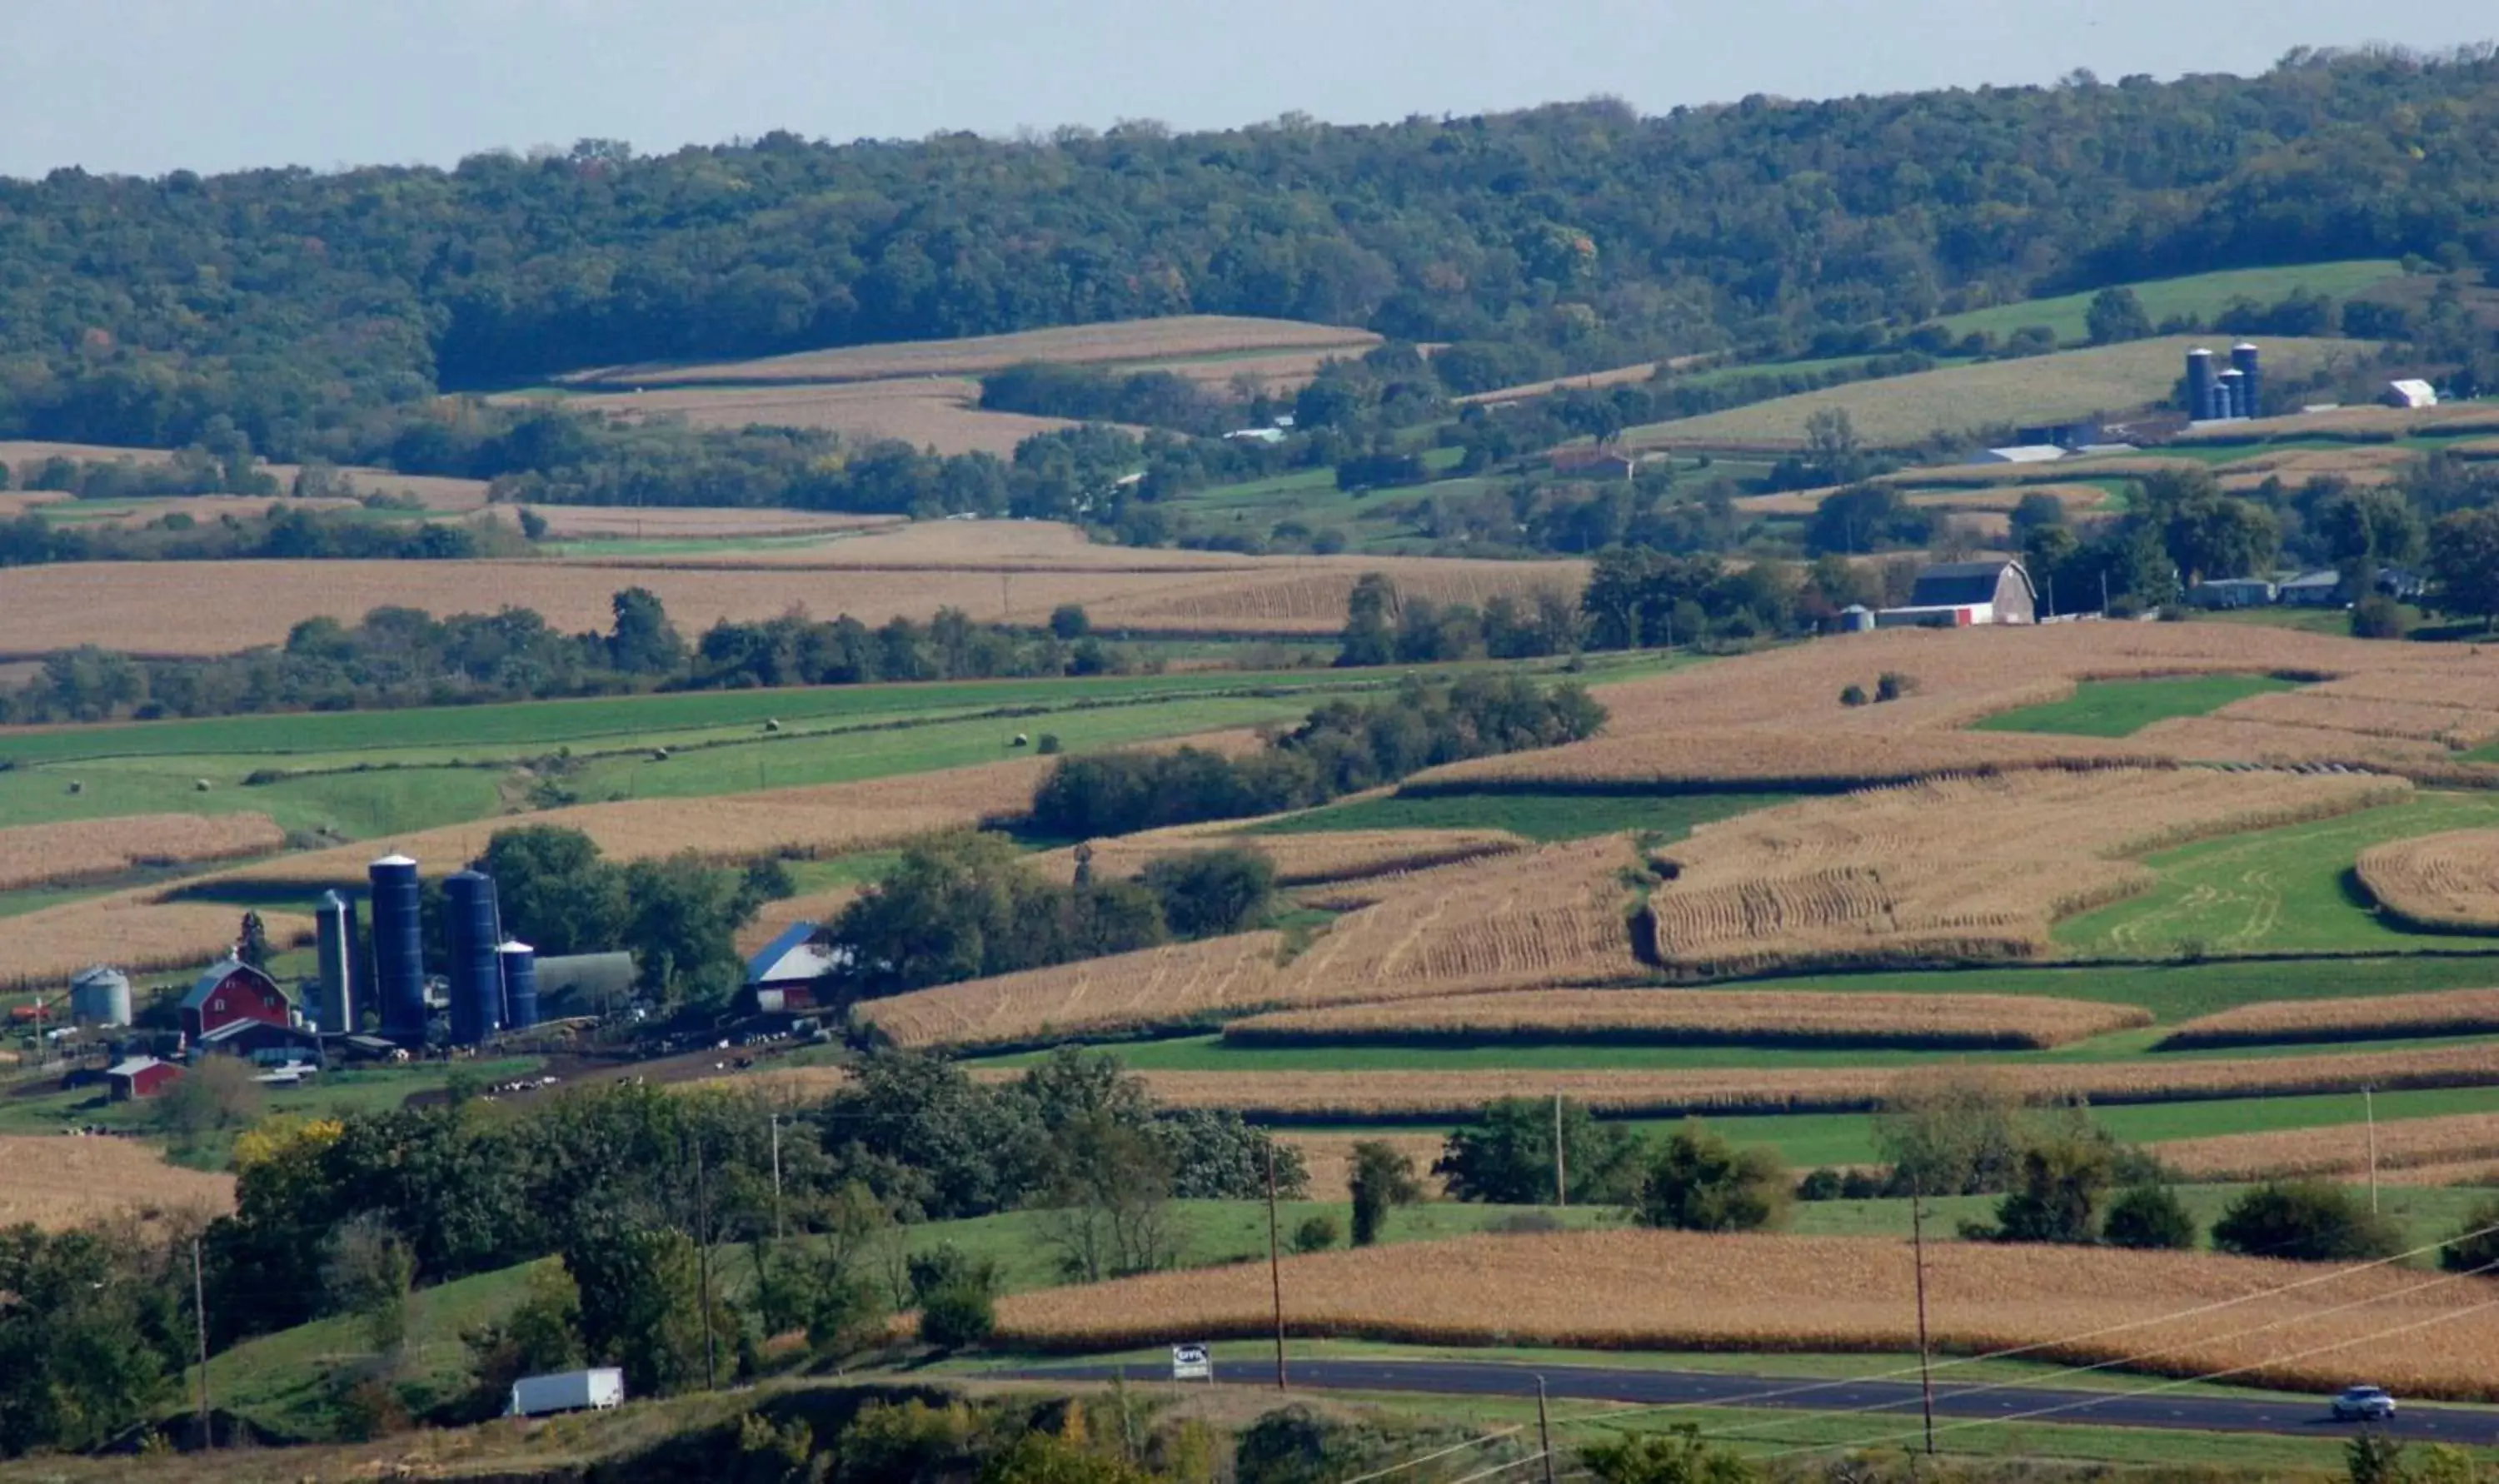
2236	393
494	983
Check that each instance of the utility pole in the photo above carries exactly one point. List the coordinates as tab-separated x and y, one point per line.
2369	1109
777	1232
1561	1175
200	1318
1275	1265
703	1268
1925	1375
2104	592
1543	1430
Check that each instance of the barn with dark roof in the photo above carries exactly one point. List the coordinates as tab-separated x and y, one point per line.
230	990
1957	595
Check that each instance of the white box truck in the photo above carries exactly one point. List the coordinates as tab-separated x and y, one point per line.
566	1391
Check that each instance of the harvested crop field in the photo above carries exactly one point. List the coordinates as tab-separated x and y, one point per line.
57	855
1300	859
2446	882
59	1180
677	523
1700	1017
1329	1159
1963	398
219	607
1992	499
943	413
824	820
1776	715
1585	381
2368	1017
1949	869
2173	1313
2337	1150
1177	337
1390	1095
1552	916
772	918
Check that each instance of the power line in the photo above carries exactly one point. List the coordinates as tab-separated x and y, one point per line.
1438	1453
2063	1341
2192	1380
2127	1360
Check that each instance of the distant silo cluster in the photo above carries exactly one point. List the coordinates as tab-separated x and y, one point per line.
2229	395
494	981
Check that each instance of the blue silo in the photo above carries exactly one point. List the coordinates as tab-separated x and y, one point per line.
335	962
2234	394
520	963
2200	384
2243	360
399	947
477	980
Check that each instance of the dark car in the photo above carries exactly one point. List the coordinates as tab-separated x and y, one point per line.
2363	1403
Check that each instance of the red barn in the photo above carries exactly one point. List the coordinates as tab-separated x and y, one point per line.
233	991
140	1076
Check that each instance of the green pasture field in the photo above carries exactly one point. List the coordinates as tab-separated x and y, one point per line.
1895	412
1554	816
407	780
2177	991
2202	296
854	756
2286	891
1808	1139
506	728
2120	708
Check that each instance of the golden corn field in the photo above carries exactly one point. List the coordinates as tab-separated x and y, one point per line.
85	850
819	820
2446	881
1557	915
1163	985
1702	1016
1178	336
131	930
1312	1097
819	907
2441	1013
58	1180
2339	1150
1951	869
230	605
1329	1159
2419	1332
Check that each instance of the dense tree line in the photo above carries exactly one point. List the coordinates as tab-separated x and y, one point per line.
397	656
677	915
1382	626
278	533
967	906
319	312
469	1187
1342	747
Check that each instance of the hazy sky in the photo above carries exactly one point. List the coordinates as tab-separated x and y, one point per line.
151	86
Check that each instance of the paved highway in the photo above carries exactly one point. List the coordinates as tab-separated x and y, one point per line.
1891	1407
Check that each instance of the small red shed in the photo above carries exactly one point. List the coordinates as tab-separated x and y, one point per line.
140	1076
233	991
